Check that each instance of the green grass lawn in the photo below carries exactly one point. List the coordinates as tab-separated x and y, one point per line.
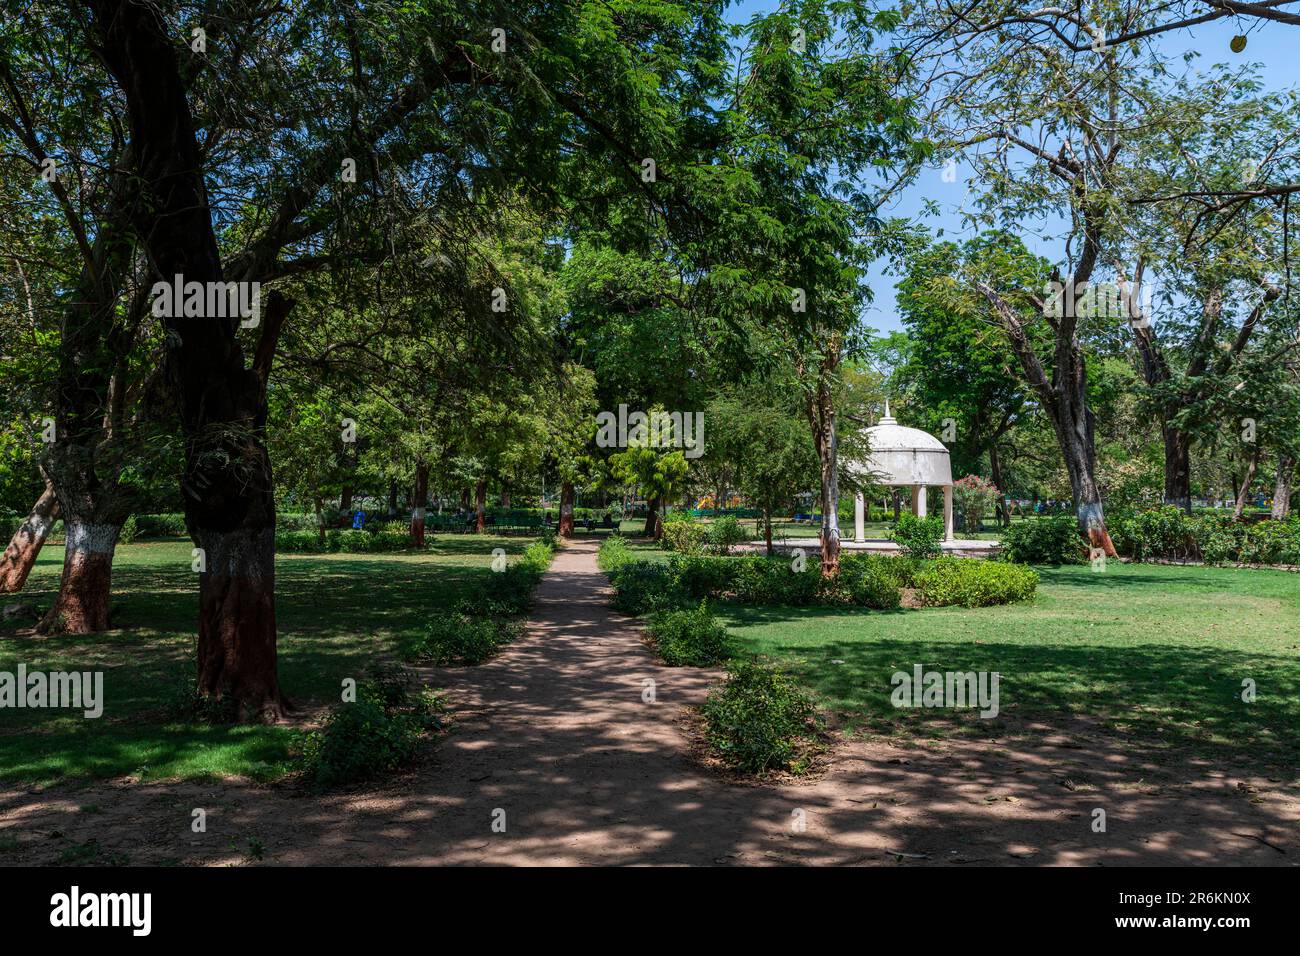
1157	653
337	614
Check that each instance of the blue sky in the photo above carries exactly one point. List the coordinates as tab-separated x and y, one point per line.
1275	47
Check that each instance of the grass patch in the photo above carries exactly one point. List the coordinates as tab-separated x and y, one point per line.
1155	654
337	613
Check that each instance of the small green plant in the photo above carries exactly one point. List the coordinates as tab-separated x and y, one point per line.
184	702
725	533
919	537
377	733
690	637
759	720
872	580
614	553
1051	540
455	638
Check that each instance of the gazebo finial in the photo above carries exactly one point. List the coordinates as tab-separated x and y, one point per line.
888	419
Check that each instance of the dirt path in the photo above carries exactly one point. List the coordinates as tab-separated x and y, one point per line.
555	733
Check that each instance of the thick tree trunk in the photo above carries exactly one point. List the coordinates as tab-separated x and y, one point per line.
898	504
464	499
1282	485
345	500
219	399
652	523
566	510
26	544
505	496
82	604
1178	468
480	506
418	511
767	531
392	499
1243	494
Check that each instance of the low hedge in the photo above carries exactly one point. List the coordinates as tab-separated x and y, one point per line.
972	582
1170	533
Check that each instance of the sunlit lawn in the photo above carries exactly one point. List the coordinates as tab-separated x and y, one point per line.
337	614
1158	653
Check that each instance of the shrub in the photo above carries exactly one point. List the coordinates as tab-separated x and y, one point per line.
701	576
614	553
457	638
763	580
974	497
644	586
160	526
873	580
1164	532
377	733
130	531
1053	540
689	638
725	533
919	537
972	582
683	535
760	720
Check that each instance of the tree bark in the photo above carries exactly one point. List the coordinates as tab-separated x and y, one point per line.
652	523
1282	485
26	544
392	499
767	531
480	506
421	497
505	496
221	402
320	520
820	411
1065	399
345	499
83	601
1178	468
1243	494
995	470
566	510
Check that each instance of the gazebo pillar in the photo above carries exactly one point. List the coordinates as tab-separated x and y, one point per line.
859	518
918	500
947	513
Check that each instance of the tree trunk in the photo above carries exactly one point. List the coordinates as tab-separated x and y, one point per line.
345	500
652	519
464	499
898	506
320	521
1282	485
417	512
1178	468
1243	495
566	510
392	499
82	604
995	470
505	496
219	400
821	416
26	544
480	506
767	530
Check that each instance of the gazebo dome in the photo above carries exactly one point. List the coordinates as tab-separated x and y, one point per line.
905	456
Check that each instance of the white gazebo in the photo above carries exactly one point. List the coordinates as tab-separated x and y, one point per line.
904	457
